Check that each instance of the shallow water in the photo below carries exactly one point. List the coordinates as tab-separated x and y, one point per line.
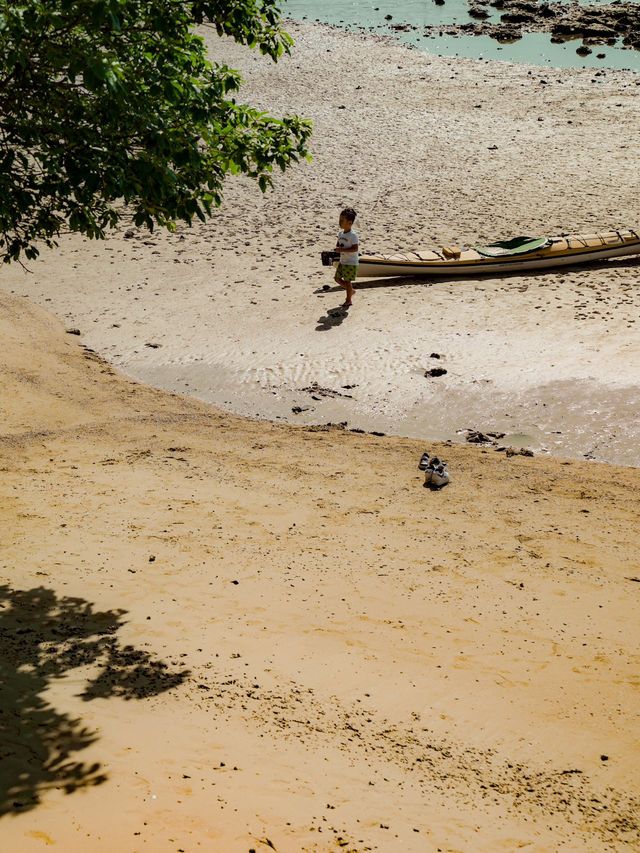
563	418
535	48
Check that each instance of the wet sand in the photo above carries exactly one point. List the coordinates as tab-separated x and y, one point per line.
430	151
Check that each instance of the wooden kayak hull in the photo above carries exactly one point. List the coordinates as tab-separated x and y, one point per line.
565	250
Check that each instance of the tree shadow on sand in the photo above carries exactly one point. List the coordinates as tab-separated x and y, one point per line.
42	638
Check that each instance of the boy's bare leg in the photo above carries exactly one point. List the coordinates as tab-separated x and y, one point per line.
348	286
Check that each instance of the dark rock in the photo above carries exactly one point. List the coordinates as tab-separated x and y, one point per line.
599	32
317	392
566	28
507	34
603	24
435	371
546	11
517	18
523	451
474	436
74	332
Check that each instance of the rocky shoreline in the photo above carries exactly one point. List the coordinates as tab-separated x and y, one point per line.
615	24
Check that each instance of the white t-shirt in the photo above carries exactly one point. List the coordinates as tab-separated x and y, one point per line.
345	240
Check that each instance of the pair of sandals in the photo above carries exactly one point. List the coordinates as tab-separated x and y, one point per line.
435	471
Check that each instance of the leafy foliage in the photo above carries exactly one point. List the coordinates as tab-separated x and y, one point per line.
111	108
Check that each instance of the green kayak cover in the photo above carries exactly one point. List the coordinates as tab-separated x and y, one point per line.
517	246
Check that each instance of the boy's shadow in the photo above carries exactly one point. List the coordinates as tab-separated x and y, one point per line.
334	317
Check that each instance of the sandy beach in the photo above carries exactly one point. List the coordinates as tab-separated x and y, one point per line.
430	151
232	634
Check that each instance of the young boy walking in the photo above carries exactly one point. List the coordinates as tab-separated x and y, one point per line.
348	248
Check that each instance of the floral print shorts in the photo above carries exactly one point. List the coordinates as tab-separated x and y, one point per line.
347	272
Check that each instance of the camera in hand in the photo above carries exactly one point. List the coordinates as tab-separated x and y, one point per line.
329	258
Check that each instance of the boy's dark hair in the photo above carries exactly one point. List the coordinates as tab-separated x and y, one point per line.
349	213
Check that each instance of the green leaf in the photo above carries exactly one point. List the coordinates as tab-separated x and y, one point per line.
114	100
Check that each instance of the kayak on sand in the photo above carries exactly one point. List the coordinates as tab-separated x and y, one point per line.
515	255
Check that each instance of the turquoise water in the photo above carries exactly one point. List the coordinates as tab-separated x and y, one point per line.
535	48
